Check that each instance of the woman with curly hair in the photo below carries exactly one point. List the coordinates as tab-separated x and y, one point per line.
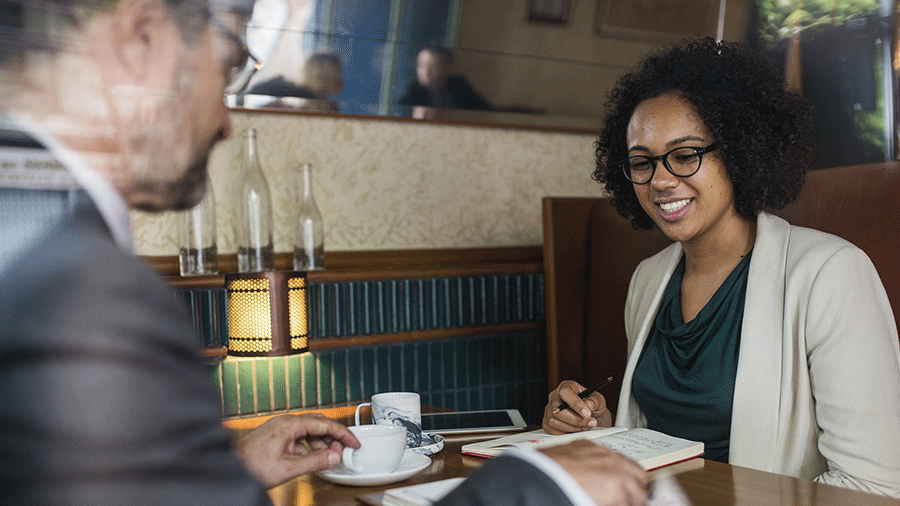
774	345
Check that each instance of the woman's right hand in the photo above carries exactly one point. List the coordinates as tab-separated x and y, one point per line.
582	414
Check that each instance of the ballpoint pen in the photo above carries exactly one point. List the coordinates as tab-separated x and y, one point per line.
583	394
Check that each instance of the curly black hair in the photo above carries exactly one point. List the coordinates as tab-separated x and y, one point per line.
762	131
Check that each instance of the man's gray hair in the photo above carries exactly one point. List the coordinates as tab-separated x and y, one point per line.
42	25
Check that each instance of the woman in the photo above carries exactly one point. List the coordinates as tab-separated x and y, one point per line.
775	345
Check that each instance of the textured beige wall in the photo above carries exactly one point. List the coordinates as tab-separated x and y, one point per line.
393	184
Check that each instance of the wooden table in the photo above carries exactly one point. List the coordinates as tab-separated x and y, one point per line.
706	483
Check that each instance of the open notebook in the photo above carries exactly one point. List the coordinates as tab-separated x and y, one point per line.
649	448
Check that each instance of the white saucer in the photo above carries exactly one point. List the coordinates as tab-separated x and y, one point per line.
411	464
431	444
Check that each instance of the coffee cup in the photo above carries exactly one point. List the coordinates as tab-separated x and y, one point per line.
402	409
382	448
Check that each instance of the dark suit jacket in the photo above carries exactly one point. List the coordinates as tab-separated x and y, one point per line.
461	92
506	481
105	399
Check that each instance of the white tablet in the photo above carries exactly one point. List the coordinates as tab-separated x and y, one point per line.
493	420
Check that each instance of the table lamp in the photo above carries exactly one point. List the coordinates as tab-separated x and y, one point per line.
267	313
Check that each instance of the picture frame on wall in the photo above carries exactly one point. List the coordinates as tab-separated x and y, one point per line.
657	21
554	12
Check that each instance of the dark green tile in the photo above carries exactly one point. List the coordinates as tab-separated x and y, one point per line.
423	367
443	303
499	399
463	364
279	384
410	366
230	388
295	380
339	376
487	365
419	305
308	368
323	367
366	290
474	399
404	305
397	367
351	296
449	401
508	347
368	372
448	361
222	314
246	388
492	299
354	374
392	306
214	372
435	377
263	384
379	308
383	368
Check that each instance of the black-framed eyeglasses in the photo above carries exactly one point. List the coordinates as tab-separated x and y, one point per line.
244	66
681	162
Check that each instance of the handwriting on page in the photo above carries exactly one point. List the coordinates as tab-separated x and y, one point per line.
634	444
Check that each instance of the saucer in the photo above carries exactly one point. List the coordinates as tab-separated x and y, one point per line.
411	465
431	444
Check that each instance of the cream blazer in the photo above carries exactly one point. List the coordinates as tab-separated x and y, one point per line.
817	393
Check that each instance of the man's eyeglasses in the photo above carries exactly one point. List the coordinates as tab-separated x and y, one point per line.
244	64
681	162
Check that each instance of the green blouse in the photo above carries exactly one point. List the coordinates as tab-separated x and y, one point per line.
684	378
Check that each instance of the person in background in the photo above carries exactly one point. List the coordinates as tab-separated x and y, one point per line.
775	345
435	87
321	79
106	398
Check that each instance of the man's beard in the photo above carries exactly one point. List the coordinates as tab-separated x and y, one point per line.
174	195
179	194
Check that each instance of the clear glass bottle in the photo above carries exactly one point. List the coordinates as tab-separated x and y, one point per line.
309	235
255	249
197	252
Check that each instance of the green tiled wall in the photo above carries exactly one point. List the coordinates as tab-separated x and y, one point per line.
500	370
484	371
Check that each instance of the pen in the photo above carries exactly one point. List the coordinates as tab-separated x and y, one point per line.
583	395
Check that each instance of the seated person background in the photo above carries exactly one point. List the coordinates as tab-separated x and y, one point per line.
436	88
775	345
108	401
320	79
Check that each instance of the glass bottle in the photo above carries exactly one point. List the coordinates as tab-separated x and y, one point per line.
309	236
255	247
197	252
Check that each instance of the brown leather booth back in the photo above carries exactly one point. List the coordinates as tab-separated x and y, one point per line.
590	253
861	204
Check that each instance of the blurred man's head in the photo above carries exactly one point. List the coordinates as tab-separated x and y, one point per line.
134	86
323	72
433	66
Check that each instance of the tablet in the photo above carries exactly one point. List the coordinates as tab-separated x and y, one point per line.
494	420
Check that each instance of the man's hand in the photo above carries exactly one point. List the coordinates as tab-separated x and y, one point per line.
288	446
609	478
581	414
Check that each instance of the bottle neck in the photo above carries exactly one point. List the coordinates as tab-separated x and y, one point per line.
306	174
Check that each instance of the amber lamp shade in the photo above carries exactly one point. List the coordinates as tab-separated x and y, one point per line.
267	313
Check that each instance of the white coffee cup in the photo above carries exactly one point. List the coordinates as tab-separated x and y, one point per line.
397	408
382	448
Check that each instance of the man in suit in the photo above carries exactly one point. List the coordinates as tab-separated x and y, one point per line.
105	398
436	87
